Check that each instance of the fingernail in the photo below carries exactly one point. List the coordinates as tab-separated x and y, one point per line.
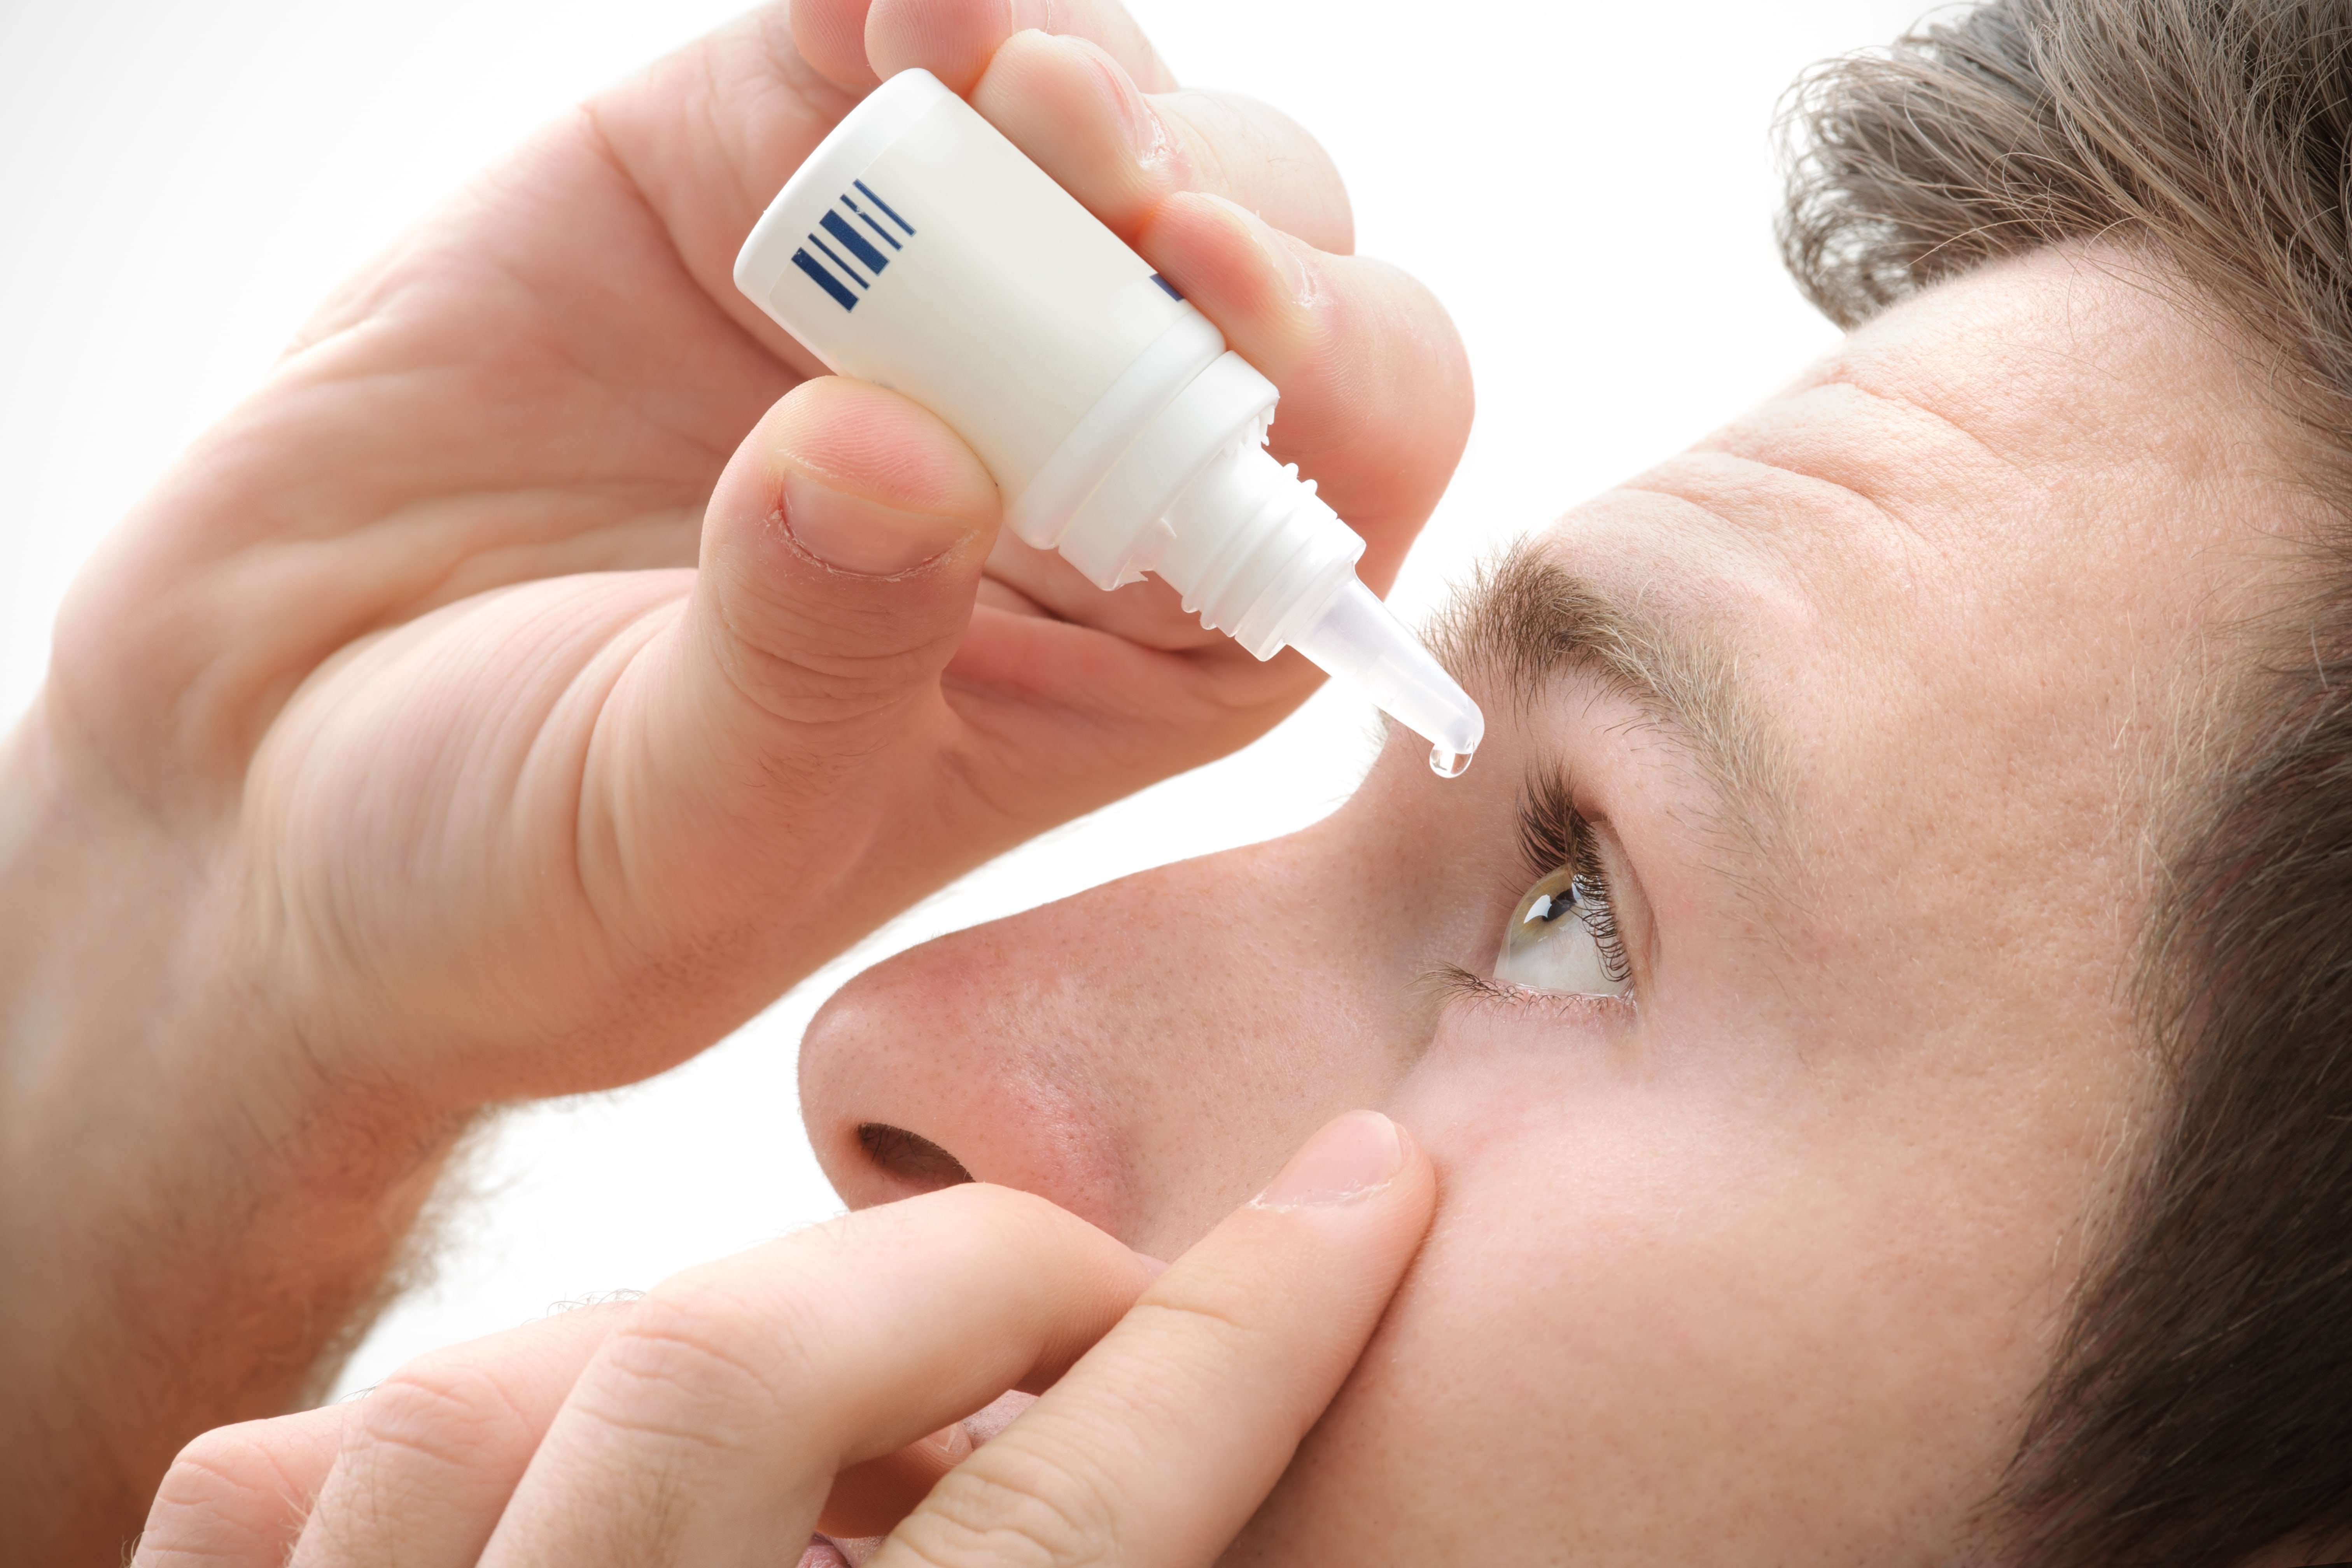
849	533
989	1421
1278	248
1349	1159
1147	133
952	1442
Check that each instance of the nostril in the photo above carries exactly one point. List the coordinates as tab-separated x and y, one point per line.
909	1158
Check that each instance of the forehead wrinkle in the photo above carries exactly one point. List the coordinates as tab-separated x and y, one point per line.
1846	375
1720	482
1898	479
1528	619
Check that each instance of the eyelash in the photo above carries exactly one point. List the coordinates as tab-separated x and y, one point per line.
1554	835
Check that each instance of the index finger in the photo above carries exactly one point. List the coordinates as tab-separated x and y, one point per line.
1160	1442
860	42
706	136
735	1392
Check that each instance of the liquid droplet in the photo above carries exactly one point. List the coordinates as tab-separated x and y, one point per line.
1448	764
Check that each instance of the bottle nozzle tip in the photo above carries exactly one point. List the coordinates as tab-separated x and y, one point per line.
1356	638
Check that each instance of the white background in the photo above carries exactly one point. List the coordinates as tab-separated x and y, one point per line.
1589	187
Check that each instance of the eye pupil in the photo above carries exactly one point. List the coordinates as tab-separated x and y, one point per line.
1549	907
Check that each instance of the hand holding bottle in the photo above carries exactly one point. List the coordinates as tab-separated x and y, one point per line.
479	714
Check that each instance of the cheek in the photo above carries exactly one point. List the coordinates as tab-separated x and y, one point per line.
1646	1326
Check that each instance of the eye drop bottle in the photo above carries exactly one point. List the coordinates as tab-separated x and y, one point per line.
918	249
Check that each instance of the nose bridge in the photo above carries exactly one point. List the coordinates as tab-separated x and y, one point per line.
1144	1054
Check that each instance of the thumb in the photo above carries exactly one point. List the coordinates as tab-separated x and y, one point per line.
759	737
840	557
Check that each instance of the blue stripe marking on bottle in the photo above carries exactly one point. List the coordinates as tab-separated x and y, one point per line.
1163	283
825	280
887	211
847	270
855	242
829	279
867	218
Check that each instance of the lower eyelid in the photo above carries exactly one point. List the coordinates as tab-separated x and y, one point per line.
1464	988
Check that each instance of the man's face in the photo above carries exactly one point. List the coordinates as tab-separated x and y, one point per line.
1864	705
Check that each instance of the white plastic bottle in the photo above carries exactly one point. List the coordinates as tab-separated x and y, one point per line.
918	249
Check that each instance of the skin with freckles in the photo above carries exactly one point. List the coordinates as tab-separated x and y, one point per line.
1762	1261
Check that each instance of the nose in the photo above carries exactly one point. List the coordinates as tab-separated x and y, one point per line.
1145	1054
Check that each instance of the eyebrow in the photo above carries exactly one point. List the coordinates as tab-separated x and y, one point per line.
1530	619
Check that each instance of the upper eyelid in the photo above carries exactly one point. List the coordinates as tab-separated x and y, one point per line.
1552	832
1554	835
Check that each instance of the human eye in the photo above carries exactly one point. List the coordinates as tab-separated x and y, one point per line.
1562	936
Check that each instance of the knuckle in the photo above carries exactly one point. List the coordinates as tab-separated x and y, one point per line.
224	1490
1199	1348
1220	1311
448	1406
812	665
694	1350
1022	1510
231	1459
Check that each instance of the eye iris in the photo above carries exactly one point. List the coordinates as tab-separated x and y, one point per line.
1549	907
1545	953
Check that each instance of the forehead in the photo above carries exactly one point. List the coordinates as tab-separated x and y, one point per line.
1969	570
2053	416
